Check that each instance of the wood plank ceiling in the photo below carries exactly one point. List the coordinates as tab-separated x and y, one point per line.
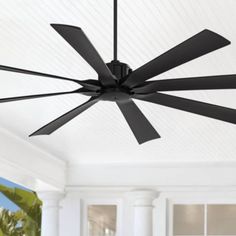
147	28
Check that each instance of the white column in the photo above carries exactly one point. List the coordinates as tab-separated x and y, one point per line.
50	212
143	212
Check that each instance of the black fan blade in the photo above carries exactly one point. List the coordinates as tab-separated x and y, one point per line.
196	107
79	41
29	72
90	84
13	99
87	92
139	124
196	46
193	83
62	120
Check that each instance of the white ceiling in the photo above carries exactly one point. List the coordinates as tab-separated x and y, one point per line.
147	28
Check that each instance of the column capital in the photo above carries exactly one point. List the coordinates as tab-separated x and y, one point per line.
143	197
50	212
142	201
50	198
50	195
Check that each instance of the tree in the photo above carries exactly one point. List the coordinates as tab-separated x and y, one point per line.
29	217
10	224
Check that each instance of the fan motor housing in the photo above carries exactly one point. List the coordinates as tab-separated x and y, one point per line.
119	69
115	94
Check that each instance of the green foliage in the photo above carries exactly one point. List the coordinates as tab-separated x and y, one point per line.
27	221
10	225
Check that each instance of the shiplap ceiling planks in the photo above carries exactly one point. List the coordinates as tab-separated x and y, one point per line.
146	29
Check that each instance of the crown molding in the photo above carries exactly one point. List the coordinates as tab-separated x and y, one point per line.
150	174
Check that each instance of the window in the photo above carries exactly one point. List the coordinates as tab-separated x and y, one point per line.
102	220
221	219
204	220
188	220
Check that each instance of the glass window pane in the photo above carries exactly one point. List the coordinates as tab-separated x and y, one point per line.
221	219
188	220
102	220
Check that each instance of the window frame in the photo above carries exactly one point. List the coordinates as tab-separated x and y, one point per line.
193	200
102	201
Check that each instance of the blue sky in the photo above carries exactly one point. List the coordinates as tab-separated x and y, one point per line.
5	202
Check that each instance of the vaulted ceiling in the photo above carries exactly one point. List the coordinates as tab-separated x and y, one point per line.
146	29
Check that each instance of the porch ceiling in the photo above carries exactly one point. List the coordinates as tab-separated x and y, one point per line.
146	29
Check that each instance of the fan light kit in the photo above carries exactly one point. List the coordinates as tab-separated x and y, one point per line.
118	83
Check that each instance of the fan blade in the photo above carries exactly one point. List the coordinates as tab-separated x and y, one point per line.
196	107
90	84
12	99
196	46
139	124
62	120
193	83
29	72
87	92
79	41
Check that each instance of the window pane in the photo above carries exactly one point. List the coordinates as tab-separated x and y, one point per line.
188	220
102	220
221	219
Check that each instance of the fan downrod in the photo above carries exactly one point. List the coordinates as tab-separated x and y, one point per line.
119	69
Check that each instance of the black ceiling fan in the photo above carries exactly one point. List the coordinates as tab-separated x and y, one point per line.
118	83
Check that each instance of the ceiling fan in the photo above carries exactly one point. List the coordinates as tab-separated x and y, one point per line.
118	83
